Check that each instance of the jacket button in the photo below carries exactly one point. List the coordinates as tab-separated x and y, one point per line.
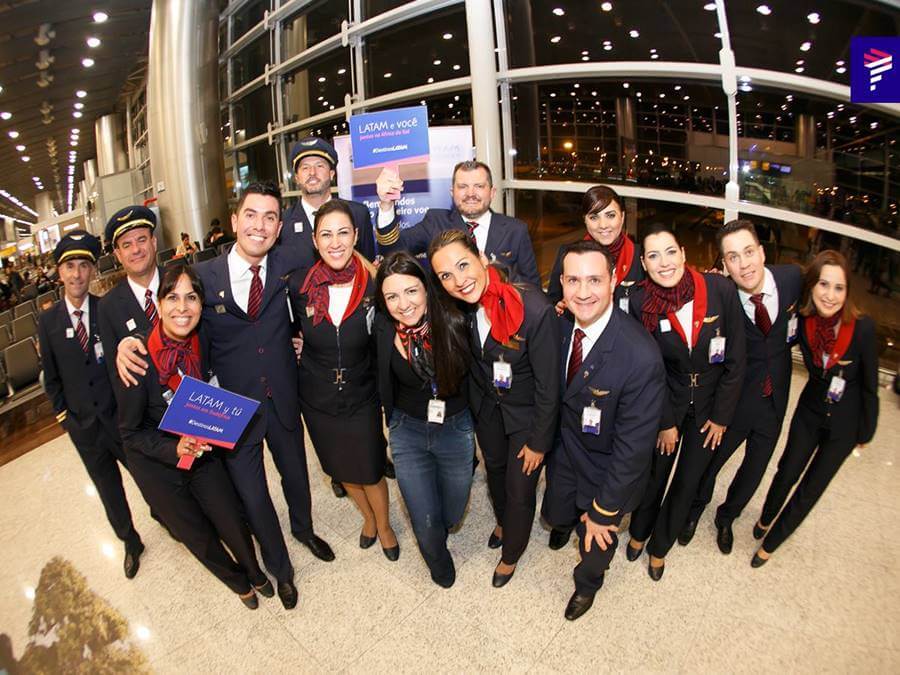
261	350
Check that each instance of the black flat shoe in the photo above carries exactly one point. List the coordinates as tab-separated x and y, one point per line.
288	594
267	590
500	580
494	541
724	538
250	601
559	538
338	489
366	542
633	553
578	605
132	561
757	561
318	547
656	572
392	553
389	470
687	532
447	580
759	532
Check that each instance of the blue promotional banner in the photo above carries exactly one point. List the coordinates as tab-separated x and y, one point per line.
874	75
390	137
208	413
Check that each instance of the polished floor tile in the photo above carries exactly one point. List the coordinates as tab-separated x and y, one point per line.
829	601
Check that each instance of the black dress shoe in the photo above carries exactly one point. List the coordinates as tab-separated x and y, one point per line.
338	489
288	594
250	601
389	470
633	553
366	542
392	553
494	541
578	605
559	538
757	561
687	532
724	537
758	532
133	559
318	547
656	572
445	580
500	580
267	590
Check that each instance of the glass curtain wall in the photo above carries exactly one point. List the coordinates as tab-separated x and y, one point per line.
625	93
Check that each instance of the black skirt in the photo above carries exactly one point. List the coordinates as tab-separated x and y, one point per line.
351	448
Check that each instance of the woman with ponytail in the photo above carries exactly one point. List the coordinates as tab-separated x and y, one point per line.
515	384
697	322
838	407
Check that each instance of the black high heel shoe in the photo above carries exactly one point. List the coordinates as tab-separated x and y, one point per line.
392	553
494	541
759	532
633	553
501	580
758	561
365	541
656	572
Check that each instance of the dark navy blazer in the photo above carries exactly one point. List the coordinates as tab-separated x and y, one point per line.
295	218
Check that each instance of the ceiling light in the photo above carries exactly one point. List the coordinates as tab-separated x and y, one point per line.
76	114
6	115
633	33
437	62
76	131
93	42
20	148
74	142
78	106
13	134
710	7
388	74
765	10
447	36
654	56
625	85
100	17
840	70
606	6
607	47
800	62
813	17
26	158
555	39
81	93
806	46
456	66
798	69
839	63
87	62
559	11
322	78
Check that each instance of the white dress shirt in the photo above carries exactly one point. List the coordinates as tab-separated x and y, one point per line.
310	212
592	333
241	277
685	317
140	292
483	323
338	299
770	298
85	313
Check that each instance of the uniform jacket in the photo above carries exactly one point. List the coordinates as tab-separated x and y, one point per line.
714	389
622	376
624	287
297	232
508	242
121	316
532	402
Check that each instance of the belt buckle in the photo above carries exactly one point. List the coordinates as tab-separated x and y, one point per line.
694	377
339	376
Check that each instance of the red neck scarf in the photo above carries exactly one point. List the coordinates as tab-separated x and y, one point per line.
622	251
659	300
822	340
503	306
321	276
416	341
169	356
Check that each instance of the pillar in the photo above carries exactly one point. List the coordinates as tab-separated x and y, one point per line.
110	139
806	136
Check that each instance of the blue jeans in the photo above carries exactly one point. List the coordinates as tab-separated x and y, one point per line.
434	472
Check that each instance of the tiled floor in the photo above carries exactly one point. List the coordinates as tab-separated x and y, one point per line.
828	601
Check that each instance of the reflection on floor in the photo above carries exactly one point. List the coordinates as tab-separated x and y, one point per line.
828	601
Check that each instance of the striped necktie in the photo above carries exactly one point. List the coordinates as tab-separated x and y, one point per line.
150	308
256	293
80	332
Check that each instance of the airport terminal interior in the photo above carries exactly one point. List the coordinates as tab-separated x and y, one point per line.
696	113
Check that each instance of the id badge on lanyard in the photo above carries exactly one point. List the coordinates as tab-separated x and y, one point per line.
502	374
792	328
717	349
836	387
590	419
437	408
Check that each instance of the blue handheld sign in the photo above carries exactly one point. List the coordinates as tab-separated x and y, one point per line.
874	74
390	137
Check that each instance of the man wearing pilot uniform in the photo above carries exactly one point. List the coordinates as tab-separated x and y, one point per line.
77	385
611	403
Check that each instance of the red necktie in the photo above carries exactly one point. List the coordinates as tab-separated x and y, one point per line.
575	357
150	308
764	323
80	332
256	293
471	225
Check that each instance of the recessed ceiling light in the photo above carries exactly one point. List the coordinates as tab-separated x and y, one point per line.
840	70
100	17
5	115
447	36
800	62
654	56
78	106
456	66
93	42
606	6
76	131
806	46
20	148
765	10
87	62
13	134
437	62
342	71
322	78
798	69
74	142
813	17
633	33
710	7
555	39
559	11
607	47
81	93
388	74
625	85
76	114
26	158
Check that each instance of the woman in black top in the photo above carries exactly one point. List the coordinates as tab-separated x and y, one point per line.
423	361
603	212
697	322
333	307
838	407
514	391
198	504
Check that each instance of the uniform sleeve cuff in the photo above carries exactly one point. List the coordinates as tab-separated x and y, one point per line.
602	516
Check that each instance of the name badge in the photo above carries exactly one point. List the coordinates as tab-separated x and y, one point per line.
792	328
590	420
836	388
168	395
287	297
98	351
502	375
130	325
298	226
370	319
717	349
664	326
214	380
436	410
70	332
623	304
220	309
